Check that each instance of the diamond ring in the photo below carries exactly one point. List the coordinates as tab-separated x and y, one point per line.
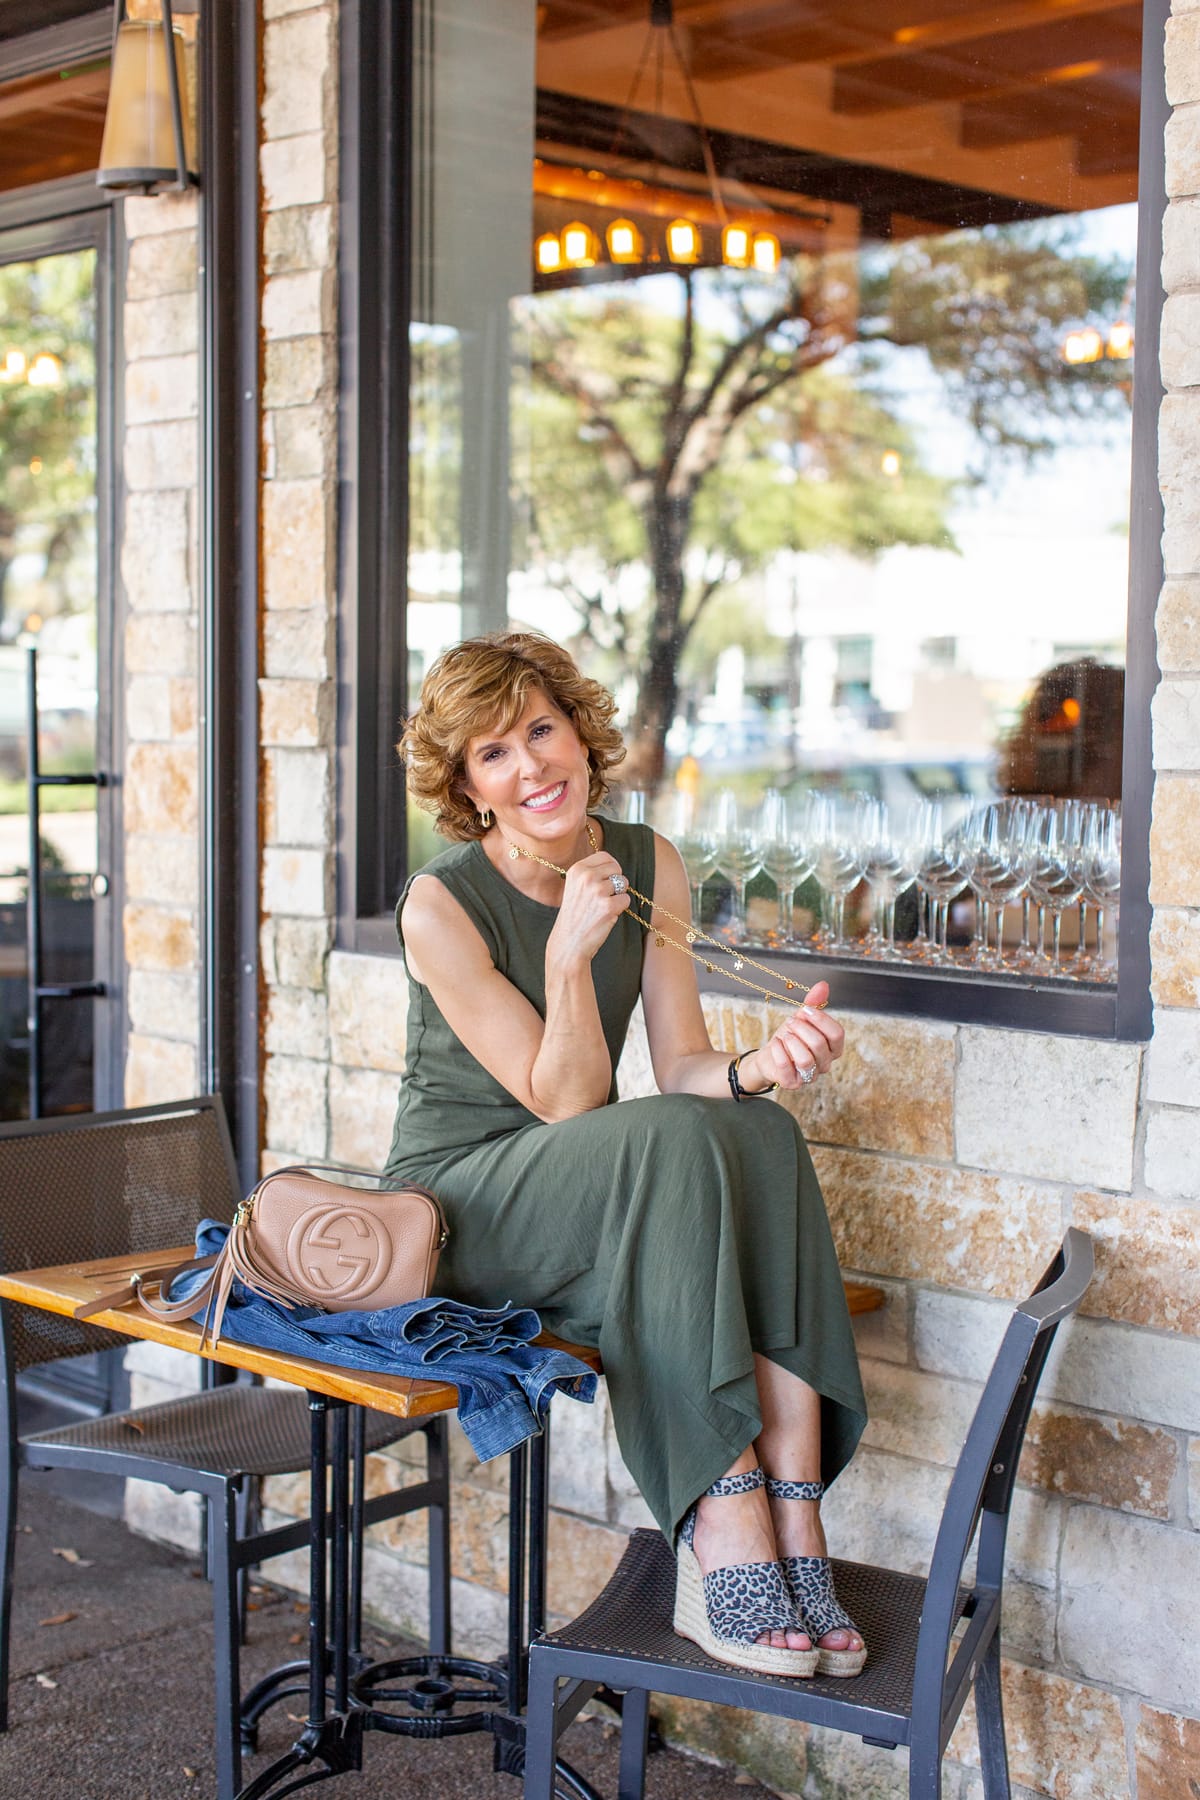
808	1076
619	883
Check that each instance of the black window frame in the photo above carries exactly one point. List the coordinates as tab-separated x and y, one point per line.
376	83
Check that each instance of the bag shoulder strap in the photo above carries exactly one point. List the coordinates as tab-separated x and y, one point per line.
160	1274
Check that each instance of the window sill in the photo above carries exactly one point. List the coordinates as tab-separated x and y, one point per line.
1010	1002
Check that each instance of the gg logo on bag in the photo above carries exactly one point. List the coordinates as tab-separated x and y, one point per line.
342	1252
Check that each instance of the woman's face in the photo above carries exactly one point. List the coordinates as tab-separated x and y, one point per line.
533	777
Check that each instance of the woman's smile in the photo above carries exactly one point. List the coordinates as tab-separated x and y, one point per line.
545	798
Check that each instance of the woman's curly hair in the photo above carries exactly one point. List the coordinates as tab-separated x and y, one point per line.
483	685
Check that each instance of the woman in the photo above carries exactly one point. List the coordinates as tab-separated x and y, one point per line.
683	1235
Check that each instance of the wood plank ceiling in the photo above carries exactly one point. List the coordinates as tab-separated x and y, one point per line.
1032	100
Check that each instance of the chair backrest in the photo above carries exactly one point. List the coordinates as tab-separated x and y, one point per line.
982	1485
104	1184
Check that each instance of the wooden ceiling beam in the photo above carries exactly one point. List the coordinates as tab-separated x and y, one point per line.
972	83
836	40
1103	114
988	22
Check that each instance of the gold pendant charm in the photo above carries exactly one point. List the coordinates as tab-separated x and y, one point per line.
738	963
789	985
660	940
513	853
709	967
691	937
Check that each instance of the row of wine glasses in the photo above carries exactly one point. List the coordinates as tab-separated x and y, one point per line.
1046	855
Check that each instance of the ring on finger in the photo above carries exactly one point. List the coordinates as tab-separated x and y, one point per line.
808	1076
619	883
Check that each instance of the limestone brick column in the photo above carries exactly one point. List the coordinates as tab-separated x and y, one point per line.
298	160
157	539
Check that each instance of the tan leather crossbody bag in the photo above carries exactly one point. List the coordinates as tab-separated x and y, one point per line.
302	1241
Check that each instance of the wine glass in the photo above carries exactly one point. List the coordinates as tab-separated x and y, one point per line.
941	871
999	858
786	830
839	853
739	855
1100	871
889	864
696	842
1054	878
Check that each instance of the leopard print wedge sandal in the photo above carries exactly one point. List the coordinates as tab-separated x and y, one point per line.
727	1611
810	1584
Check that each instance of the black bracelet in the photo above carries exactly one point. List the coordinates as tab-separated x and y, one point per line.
736	1088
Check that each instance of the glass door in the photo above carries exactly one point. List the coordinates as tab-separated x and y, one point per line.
53	543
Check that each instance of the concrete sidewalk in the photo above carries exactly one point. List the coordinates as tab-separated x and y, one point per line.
111	1690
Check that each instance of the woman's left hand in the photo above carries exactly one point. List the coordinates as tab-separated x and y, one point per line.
806	1045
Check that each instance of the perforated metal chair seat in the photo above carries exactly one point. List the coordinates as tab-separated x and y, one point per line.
227	1431
632	1617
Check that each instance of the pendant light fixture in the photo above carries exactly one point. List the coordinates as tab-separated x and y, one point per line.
148	143
741	246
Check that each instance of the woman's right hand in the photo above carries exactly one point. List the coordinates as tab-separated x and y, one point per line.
590	908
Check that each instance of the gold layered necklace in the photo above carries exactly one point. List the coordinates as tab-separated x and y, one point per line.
738	959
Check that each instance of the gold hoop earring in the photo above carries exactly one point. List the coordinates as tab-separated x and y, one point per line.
485	817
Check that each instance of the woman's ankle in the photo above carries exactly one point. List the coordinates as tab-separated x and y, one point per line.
733	1529
798	1528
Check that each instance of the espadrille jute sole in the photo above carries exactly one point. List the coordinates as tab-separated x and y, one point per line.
691	1622
840	1662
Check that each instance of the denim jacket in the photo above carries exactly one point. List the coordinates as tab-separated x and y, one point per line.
505	1381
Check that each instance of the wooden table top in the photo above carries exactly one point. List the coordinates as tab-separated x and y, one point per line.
65	1286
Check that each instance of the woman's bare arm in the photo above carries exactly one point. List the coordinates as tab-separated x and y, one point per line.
557	1067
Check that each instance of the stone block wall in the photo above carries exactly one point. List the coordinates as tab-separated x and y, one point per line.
157	529
298	169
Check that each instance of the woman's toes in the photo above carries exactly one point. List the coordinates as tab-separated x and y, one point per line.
837	1640
786	1640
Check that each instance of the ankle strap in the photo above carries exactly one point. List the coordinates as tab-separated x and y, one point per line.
736	1484
794	1490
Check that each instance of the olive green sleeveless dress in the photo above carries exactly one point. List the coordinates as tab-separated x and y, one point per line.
677	1234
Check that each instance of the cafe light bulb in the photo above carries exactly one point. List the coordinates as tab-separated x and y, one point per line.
624	241
13	367
1120	340
547	253
579	246
1083	346
683	241
735	247
45	371
765	252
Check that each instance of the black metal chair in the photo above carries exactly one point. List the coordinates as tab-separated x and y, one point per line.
930	1640
107	1184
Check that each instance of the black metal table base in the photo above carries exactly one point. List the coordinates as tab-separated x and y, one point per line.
348	1695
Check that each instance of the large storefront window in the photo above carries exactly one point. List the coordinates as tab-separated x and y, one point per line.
779	362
